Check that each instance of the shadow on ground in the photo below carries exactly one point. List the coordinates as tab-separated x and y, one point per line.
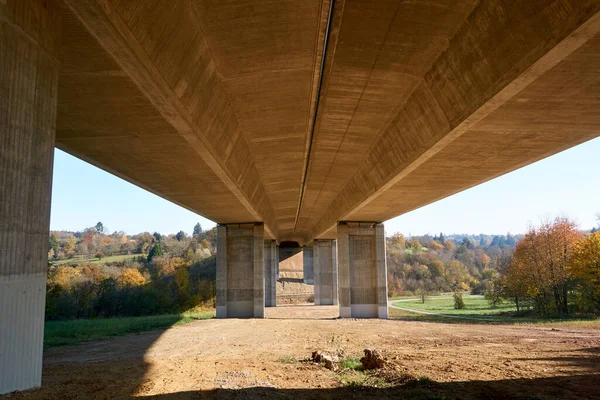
291	280
572	387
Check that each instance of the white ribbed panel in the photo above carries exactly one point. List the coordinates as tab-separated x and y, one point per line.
22	302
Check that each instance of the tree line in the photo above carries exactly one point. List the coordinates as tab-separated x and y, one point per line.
552	270
165	274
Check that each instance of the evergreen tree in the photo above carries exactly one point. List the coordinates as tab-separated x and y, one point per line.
510	240
197	230
53	244
180	236
155	251
99	227
157	236
467	243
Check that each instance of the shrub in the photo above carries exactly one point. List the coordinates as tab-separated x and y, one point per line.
459	304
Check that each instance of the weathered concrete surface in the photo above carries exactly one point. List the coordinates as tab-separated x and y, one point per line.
271	263
308	266
291	287
29	43
494	99
325	267
419	100
240	271
362	270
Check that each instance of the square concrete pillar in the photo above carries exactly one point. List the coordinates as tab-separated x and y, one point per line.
240	271
271	262
29	69
362	270
308	265
325	272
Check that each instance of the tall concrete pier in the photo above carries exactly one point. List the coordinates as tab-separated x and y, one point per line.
362	270
271	266
325	270
240	271
308	267
29	67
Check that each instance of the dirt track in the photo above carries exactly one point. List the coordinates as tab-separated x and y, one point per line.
468	360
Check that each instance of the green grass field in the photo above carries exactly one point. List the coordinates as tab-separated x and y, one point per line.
61	333
477	310
475	306
104	260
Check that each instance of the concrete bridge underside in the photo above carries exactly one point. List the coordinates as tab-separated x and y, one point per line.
279	120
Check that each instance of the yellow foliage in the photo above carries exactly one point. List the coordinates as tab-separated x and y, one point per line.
435	245
398	240
449	245
178	262
484	259
70	244
182	278
64	276
585	260
131	277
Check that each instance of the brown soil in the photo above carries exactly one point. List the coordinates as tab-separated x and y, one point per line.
255	358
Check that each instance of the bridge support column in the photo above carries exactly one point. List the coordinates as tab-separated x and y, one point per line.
240	271
308	275
362	270
29	41
271	264
308	269
325	270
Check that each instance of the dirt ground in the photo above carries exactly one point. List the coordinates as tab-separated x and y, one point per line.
257	359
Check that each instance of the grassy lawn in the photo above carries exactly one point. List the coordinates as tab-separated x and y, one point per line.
478	310
433	297
60	333
106	259
475	306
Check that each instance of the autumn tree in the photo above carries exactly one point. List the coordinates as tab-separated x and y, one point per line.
131	277
397	240
435	245
70	245
585	268
414	245
541	264
449	245
144	241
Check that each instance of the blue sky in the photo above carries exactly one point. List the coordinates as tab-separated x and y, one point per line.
567	183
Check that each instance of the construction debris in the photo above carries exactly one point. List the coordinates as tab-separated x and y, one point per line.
330	362
372	360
